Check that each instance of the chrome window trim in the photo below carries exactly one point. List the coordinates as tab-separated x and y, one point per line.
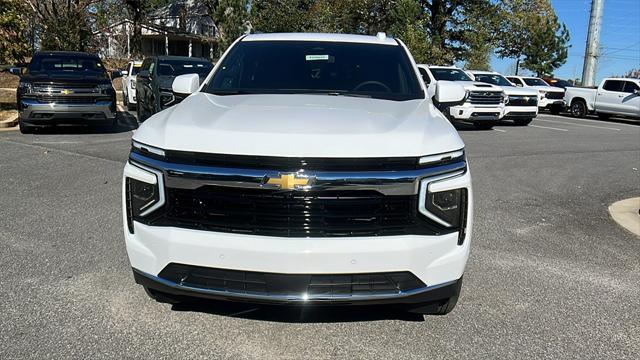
407	182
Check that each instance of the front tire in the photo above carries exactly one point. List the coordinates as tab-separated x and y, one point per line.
24	128
522	122
484	125
578	108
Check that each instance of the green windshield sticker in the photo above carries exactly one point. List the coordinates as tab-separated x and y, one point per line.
316	57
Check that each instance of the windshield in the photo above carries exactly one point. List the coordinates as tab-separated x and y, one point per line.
66	65
182	67
315	67
449	74
535	82
559	83
493	79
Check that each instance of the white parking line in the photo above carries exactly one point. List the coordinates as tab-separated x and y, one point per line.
500	130
547	127
601	122
570	123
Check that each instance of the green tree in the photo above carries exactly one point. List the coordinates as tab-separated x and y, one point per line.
14	45
531	33
231	17
65	24
271	16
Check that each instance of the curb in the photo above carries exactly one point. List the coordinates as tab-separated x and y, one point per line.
9	123
627	214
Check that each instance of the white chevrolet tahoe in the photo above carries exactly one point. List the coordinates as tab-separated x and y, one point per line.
129	84
549	97
306	169
522	103
484	103
614	96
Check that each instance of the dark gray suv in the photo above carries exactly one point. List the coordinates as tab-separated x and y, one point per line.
153	83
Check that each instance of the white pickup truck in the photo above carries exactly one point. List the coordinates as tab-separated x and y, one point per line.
614	96
129	84
484	104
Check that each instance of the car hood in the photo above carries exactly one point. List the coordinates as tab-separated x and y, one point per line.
515	90
300	126
547	88
478	86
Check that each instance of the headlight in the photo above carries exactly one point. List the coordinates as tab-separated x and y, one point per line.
144	193
505	98
448	208
25	87
543	94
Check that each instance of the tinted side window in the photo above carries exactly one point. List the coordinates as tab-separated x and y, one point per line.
630	87
145	64
425	76
613	85
515	80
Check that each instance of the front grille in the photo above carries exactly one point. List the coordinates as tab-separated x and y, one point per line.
292	213
521	100
66	99
555	95
274	284
485	97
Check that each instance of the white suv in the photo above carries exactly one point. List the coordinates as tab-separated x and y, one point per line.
522	103
550	97
306	169
129	84
484	104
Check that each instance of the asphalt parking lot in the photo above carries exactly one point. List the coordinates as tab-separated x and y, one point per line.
550	275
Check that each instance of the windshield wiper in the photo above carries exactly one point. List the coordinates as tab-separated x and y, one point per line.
334	93
231	92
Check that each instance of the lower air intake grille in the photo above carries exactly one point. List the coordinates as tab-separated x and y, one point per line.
260	283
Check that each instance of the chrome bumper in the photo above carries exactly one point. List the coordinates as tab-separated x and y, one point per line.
34	111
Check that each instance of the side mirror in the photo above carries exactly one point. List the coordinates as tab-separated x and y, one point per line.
116	74
450	93
124	73
16	71
186	84
637	92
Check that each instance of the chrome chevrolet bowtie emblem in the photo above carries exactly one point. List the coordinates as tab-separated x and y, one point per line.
292	181
66	92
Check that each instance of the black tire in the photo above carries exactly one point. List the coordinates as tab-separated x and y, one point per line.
522	122
604	116
141	113
484	125
578	108
24	128
555	110
442	307
162	297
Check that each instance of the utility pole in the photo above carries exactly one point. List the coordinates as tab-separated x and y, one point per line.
591	53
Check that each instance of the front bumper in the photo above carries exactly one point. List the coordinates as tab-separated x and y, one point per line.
520	112
37	113
476	113
422	295
545	103
436	260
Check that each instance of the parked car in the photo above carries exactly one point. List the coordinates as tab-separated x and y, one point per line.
308	169
153	82
614	96
558	82
484	105
522	103
550	97
61	87
129	84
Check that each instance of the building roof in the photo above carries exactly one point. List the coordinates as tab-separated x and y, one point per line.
364	39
